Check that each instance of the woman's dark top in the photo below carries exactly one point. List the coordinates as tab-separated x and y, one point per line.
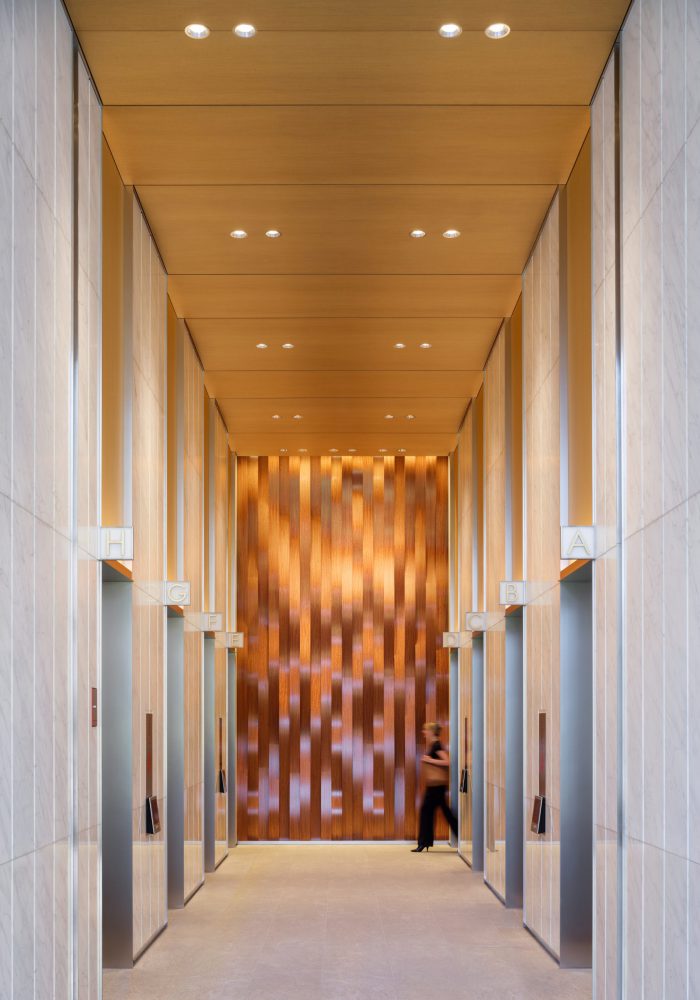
434	752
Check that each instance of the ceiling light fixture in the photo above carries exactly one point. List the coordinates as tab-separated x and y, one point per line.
382	451
410	416
244	30
401	451
197	31
298	416
273	234
333	450
389	416
425	346
498	30
283	451
351	451
417	234
450	30
238	234
287	347
399	346
276	416
261	346
303	451
451	234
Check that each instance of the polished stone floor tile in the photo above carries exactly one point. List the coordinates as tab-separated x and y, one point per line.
344	922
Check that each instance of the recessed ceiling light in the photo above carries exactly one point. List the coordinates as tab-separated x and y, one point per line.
450	30
244	30
283	451
382	451
417	234
399	347
389	416
287	347
238	234
498	30
261	346
197	31
410	416
303	451
276	416
451	234
351	451
333	450
401	451
273	234
297	416
425	346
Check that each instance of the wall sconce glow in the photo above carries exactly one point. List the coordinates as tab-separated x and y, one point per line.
333	451
498	30
197	31
451	234
303	451
298	416
425	346
244	30
351	451
410	416
273	234
261	346
399	347
450	30
401	451
287	347
238	234
283	451
276	416
382	451
389	416
417	234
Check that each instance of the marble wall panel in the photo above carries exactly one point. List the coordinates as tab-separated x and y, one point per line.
49	863
542	566
465	537
149	623
495	571
653	551
606	569
219	513
193	499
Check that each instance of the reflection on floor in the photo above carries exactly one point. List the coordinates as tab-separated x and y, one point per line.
344	922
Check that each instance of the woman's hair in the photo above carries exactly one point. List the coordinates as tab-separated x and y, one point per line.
434	727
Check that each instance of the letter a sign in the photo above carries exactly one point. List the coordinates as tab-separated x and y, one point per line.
578	542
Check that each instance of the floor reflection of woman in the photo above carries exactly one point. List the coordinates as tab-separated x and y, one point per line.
435	765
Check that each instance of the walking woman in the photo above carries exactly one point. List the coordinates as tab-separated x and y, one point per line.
435	767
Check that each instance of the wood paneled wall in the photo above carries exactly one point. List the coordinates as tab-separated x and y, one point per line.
342	596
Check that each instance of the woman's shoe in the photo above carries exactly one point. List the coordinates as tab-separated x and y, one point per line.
417	850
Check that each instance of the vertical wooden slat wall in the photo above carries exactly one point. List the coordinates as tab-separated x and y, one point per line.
342	596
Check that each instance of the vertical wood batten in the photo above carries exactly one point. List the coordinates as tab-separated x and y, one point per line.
342	595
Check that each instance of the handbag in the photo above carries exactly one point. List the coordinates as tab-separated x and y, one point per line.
434	774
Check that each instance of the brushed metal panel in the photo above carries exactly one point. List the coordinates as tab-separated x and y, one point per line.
117	750
175	828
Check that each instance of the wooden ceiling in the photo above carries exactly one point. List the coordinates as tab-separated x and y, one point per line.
345	124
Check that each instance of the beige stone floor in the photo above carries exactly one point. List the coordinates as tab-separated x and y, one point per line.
345	922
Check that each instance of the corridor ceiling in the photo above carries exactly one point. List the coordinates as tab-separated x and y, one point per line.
345	125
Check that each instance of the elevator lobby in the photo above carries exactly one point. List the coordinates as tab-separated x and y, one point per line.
349	512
